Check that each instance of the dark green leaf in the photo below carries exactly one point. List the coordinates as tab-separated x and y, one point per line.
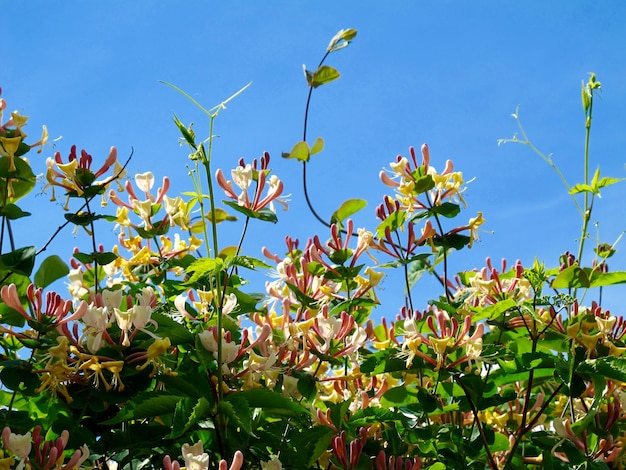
149	404
611	368
264	214
11	211
235	407
307	386
176	332
20	261
270	400
456	241
104	258
51	269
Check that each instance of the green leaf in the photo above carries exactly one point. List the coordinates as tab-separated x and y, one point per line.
455	240
612	368
300	152
204	267
318	146
269	400
580	188
20	261
347	208
176	332
101	258
400	396
447	209
307	386
22	180
51	269
264	214
220	216
247	262
437	466
11	211
237	410
82	219
494	311
323	75
188	134
423	184
393	223
104	258
148	404
574	277
187	414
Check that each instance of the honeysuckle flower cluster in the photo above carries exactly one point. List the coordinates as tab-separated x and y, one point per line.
76	175
256	175
163	346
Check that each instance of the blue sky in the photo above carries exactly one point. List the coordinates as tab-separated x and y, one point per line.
449	73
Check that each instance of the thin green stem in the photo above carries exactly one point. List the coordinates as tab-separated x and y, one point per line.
588	205
94	247
548	159
206	161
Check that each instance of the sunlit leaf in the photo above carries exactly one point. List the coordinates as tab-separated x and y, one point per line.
323	75
347	209
318	146
300	152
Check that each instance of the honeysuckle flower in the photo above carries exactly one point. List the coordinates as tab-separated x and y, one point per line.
153	356
176	210
405	174
195	457
94	367
488	287
145	207
54	312
236	464
76	175
230	303
50	454
243	176
96	320
272	464
19	445
230	349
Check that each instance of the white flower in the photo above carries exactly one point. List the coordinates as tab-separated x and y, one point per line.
272	464
195	458
18	444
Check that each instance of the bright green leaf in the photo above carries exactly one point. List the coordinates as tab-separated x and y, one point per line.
347	209
323	75
318	146
300	152
204	267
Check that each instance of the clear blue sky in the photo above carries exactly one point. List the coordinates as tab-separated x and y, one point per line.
449	73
